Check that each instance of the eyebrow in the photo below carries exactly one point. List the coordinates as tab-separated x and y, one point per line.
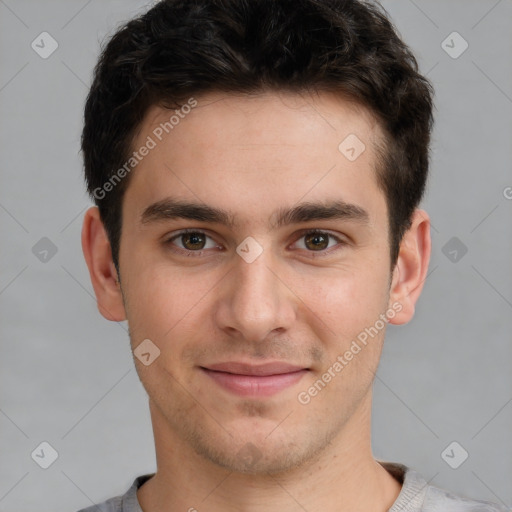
171	208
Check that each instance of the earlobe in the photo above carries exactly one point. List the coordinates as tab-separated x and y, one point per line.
98	256
411	268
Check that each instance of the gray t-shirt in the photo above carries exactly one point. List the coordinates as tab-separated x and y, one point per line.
416	496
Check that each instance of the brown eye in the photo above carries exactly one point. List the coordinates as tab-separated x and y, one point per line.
193	241
320	243
317	241
190	242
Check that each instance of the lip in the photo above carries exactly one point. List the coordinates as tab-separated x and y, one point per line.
254	380
273	368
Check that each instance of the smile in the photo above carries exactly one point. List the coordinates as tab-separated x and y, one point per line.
255	381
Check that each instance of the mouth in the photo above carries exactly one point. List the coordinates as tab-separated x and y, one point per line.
246	380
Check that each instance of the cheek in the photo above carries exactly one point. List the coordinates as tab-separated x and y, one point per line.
165	301
343	300
352	333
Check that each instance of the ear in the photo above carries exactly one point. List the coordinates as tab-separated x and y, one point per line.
411	268
98	256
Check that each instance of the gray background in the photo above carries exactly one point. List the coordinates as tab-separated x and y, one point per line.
67	375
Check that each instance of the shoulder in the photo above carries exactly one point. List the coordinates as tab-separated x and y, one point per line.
440	500
125	503
111	505
417	495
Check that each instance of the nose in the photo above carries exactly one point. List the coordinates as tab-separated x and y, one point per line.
254	299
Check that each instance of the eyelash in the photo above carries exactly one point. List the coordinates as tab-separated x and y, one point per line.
319	254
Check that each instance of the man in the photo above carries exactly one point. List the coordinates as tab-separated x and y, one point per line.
257	167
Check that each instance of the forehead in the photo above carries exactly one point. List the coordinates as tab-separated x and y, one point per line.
262	149
263	118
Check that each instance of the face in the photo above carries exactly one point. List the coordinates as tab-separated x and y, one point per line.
259	310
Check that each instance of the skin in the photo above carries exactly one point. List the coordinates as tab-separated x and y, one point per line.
252	156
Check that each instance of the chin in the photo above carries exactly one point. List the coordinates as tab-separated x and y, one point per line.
262	453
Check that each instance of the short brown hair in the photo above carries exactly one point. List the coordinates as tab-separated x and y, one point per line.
181	48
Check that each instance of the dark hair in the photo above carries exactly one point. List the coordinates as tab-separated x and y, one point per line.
181	48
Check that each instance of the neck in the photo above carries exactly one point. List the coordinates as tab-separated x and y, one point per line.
344	477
